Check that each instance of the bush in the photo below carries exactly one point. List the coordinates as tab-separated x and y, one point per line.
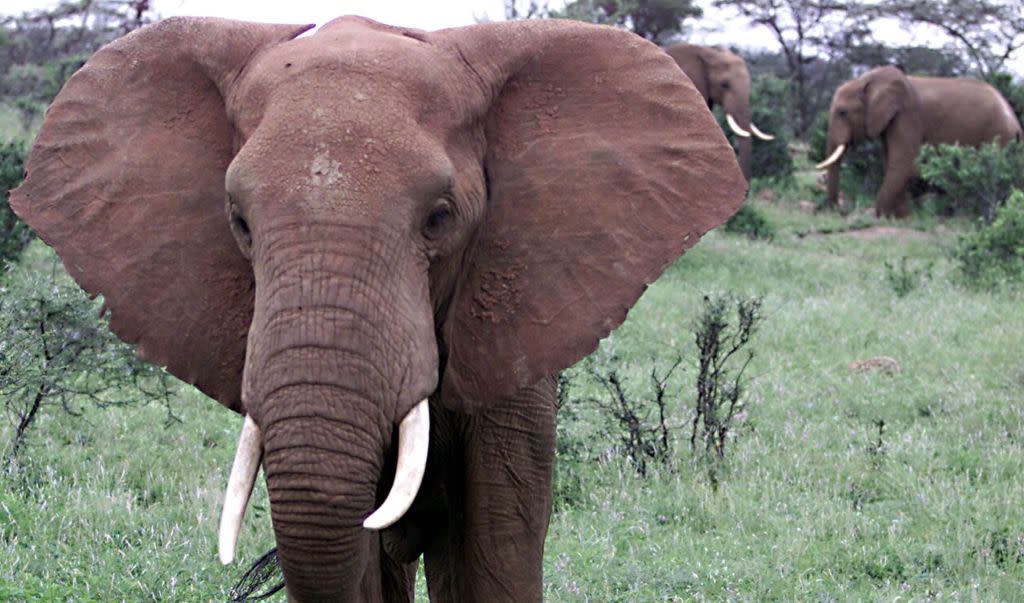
751	222
904	278
768	158
720	383
993	255
771	158
862	168
57	353
975	181
14	235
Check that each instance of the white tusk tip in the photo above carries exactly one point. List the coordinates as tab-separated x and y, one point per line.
225	556
413	439
735	127
757	132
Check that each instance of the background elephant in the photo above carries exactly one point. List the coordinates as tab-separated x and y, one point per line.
907	112
721	77
371	238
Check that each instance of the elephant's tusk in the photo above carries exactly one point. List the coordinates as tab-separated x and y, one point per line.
754	129
413	438
834	157
236	499
736	127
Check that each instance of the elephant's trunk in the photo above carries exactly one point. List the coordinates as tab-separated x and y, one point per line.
836	148
737	116
322	471
340	350
833	185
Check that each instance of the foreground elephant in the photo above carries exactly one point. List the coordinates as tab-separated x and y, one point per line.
721	77
371	238
907	112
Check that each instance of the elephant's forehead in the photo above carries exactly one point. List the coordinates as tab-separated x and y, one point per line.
350	68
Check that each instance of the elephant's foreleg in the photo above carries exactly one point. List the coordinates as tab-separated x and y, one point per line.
899	153
495	546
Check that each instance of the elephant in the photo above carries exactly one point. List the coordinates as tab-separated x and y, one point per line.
379	246
721	77
906	112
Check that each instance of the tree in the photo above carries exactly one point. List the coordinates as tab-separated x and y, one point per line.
811	35
655	20
40	49
989	31
531	9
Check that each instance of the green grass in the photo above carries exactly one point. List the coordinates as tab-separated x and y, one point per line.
115	506
12	126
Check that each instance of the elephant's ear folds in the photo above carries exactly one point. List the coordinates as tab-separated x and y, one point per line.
603	165
886	94
126	182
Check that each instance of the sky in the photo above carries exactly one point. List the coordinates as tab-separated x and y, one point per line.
718	26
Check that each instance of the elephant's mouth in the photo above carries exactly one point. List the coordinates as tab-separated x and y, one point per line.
413	441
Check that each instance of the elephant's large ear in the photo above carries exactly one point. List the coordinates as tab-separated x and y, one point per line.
885	95
603	165
126	182
692	61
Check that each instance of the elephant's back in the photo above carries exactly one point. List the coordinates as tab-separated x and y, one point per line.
964	110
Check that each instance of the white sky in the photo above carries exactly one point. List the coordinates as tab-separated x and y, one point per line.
718	26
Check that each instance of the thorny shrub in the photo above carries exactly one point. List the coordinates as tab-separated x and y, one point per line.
56	353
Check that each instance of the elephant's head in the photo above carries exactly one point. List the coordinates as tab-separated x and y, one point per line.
722	79
861	108
321	232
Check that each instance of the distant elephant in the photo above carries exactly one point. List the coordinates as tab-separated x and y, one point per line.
721	77
372	238
907	112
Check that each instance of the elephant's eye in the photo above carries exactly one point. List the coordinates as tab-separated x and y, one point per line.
438	220
842	113
240	229
725	85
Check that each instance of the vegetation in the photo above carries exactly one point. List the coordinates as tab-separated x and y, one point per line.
58	355
993	255
838	484
770	158
751	222
972	181
14	235
813	502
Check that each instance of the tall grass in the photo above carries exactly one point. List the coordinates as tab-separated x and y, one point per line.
813	504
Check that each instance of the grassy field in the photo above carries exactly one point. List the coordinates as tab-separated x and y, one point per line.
813	503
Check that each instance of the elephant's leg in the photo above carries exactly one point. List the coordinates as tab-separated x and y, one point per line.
495	546
899	154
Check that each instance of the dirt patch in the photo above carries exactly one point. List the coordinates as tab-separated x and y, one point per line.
885	232
869	233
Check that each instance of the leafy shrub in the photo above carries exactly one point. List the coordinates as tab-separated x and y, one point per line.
56	352
862	168
904	278
771	158
993	254
975	181
751	222
14	235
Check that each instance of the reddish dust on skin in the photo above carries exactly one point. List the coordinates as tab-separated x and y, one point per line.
499	294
